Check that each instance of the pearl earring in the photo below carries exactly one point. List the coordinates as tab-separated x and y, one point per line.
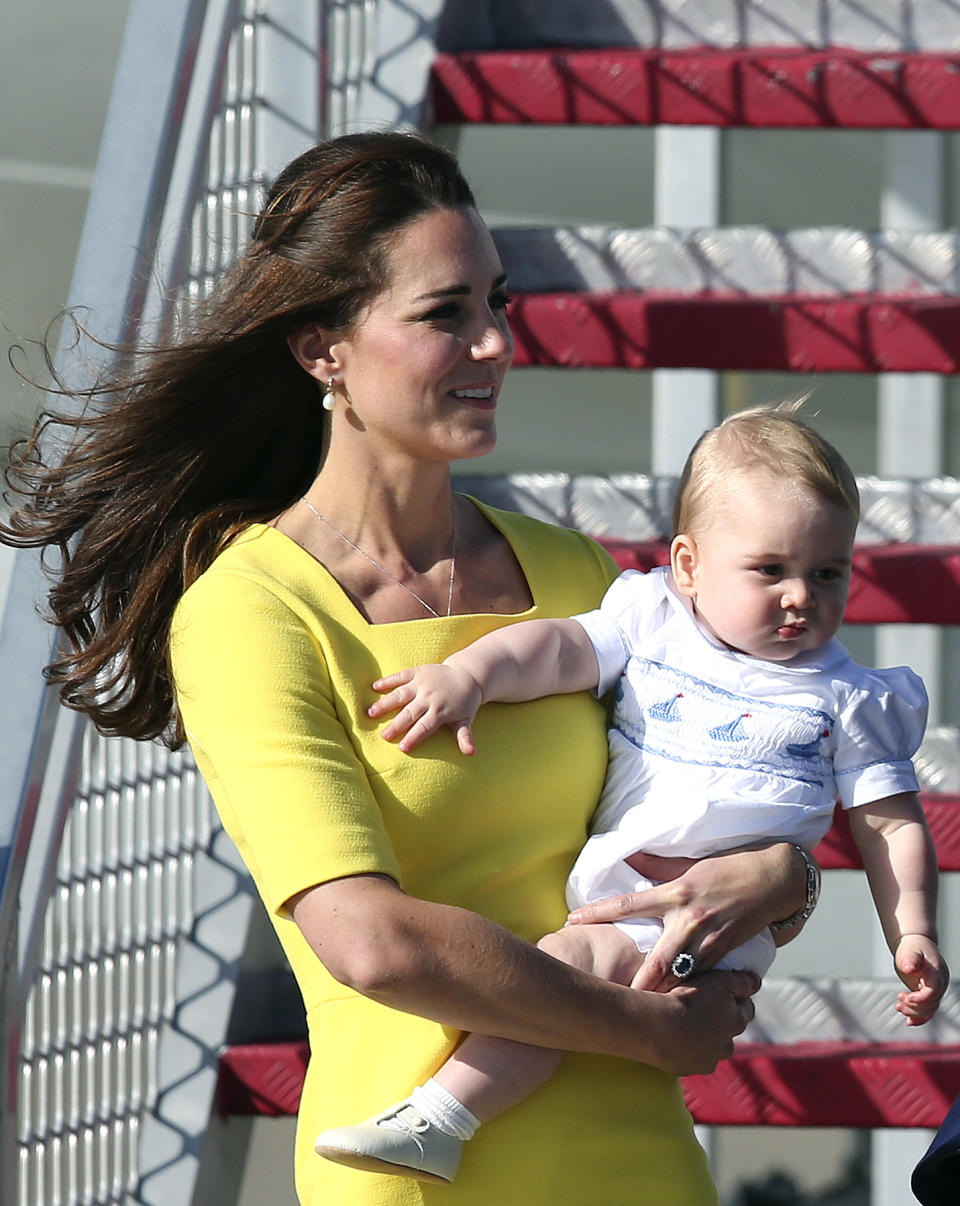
329	399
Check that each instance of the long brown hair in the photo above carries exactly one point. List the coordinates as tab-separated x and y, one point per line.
171	458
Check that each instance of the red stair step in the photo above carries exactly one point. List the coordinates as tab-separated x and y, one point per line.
802	1084
891	583
828	1084
838	850
262	1078
801	88
868	333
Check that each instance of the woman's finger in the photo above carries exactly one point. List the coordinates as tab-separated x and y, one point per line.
664	967
740	984
652	977
651	902
673	959
747	1010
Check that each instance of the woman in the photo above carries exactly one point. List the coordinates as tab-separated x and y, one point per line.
406	891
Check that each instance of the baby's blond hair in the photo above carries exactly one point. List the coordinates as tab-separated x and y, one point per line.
771	437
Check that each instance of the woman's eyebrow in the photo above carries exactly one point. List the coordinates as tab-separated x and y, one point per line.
459	290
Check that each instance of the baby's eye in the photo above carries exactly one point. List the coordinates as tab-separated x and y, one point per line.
827	574
773	570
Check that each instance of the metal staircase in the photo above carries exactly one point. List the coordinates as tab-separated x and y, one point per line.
123	911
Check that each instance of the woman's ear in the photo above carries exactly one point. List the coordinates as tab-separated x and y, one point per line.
684	563
314	350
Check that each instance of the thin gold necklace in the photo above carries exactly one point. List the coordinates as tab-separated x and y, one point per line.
383	569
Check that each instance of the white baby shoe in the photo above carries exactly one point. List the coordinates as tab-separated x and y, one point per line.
399	1141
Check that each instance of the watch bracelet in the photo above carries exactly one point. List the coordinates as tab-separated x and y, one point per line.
813	894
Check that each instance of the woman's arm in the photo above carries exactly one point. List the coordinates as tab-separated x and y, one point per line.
262	741
709	905
459	969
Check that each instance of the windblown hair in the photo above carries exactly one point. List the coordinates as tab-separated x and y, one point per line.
168	460
771	437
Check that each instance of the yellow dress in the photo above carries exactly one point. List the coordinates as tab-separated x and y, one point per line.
273	666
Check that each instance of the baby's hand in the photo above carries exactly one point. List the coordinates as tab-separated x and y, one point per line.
920	966
428	698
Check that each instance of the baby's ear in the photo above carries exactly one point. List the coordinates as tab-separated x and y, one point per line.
684	559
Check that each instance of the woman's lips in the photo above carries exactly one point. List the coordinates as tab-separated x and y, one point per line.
481	397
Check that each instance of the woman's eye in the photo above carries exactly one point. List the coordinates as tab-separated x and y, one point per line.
440	313
500	301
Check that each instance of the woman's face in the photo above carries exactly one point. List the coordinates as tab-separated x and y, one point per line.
421	368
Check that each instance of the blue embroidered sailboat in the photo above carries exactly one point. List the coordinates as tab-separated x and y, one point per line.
808	749
667	709
732	730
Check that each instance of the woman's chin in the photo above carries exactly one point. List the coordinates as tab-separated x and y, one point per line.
477	444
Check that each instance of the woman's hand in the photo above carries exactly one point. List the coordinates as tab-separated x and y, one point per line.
708	906
705	1015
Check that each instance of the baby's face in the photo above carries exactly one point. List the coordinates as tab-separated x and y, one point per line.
769	576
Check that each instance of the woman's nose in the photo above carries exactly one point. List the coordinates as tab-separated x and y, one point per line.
494	342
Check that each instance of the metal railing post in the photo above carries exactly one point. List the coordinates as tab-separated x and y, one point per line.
109	280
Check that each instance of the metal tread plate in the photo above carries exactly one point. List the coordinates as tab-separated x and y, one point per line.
830	88
736	260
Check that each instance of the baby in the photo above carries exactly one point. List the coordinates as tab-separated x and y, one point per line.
738	717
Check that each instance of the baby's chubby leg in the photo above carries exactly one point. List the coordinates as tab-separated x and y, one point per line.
489	1075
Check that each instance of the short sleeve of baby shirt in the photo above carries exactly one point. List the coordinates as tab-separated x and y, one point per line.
614	627
881	724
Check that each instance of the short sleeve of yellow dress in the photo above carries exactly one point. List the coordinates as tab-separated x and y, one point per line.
273	667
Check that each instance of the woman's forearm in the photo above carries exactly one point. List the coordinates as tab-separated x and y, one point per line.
457	968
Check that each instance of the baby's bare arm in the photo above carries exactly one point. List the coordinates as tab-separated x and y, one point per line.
901	866
515	663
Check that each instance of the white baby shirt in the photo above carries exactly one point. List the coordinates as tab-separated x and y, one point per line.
711	749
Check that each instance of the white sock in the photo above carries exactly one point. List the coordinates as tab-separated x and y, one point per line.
442	1110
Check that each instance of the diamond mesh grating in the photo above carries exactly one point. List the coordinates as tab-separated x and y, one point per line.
140	827
122	899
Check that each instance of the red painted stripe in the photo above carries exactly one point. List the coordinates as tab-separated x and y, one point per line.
829	1084
838	850
864	333
262	1078
891	583
748	87
806	1084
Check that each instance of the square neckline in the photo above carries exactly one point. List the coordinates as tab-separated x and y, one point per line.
484	510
